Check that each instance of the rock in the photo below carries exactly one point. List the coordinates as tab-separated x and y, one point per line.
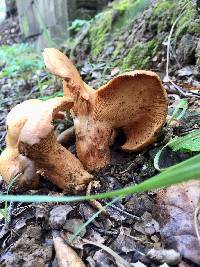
58	216
186	71
186	49
41	213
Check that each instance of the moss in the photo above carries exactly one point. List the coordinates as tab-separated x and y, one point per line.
108	23
118	49
161	12
140	55
165	13
186	23
97	34
129	9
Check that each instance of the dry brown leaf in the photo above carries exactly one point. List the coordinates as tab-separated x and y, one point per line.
65	255
178	204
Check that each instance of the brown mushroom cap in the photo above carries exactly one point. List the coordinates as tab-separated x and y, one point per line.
37	141
135	102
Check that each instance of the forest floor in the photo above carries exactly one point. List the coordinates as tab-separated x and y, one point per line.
139	223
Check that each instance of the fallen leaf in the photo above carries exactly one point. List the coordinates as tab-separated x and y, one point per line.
178	204
58	216
65	255
186	71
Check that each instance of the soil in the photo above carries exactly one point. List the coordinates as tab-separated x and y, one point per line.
131	227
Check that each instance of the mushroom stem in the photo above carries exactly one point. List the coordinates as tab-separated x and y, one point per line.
93	139
55	162
37	141
67	137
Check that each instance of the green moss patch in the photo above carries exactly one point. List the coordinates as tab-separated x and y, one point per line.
97	34
140	55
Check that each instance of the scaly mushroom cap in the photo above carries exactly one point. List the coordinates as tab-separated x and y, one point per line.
37	141
135	102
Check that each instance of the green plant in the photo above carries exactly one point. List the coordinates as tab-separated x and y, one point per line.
184	171
4	212
51	96
77	24
19	61
187	143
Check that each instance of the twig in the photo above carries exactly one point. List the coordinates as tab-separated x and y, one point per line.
94	203
134	217
128	168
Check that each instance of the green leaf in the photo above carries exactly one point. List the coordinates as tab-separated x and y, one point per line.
77	24
179	110
189	142
182	172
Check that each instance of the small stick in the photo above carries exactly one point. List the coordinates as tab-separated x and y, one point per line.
94	203
134	217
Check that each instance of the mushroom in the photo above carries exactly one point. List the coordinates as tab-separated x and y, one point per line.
37	142
134	102
12	162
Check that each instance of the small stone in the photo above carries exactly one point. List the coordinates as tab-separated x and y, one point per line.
155	238
5	88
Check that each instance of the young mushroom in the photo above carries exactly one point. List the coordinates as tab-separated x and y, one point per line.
12	163
37	142
134	102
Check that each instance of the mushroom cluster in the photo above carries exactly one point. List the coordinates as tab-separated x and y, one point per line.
134	102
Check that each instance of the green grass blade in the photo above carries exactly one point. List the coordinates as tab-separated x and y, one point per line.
184	171
94	216
157	159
